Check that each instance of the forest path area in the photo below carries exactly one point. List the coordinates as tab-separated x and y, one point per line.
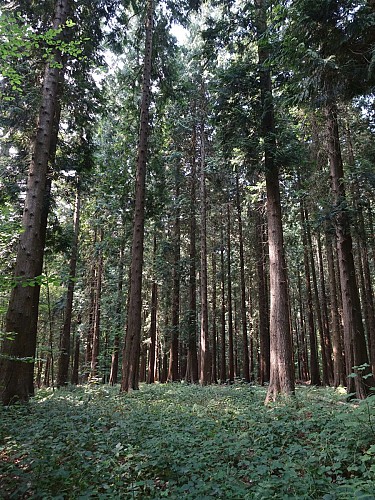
182	441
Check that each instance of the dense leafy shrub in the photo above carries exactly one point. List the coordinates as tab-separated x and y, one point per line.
179	441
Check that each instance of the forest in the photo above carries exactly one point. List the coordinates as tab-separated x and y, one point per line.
187	249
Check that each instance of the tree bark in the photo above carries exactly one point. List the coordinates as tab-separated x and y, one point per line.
264	332
282	367
214	323
97	312
205	369
173	372
245	340
63	363
314	360
354	337
338	361
131	351
16	363
223	365
326	329
230	305
152	350
113	375
192	361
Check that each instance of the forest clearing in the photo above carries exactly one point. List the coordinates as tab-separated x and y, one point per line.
186	441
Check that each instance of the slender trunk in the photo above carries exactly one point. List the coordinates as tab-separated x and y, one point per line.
326	329
173	372
113	376
223	365
192	362
230	305
363	260
97	313
316	303
303	355
354	338
245	340
214	324
314	361
264	333
131	351
75	370
153	325
16	377
63	363
91	319
338	361
204	338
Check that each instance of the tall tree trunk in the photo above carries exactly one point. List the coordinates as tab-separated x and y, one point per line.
97	312
245	340
75	370
205	369
363	259
223	364
282	366
230	305
318	310
131	351
113	375
303	355
338	361
173	373
214	323
326	329
63	363
16	376
314	361
192	361
354	337
153	325
91	318
264	332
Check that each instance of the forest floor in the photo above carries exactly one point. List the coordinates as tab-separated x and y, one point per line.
181	441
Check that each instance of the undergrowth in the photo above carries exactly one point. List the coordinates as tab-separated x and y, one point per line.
179	441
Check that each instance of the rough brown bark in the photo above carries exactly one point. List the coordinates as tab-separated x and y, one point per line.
324	303
230	301
16	374
214	323
223	365
338	360
113	375
264	332
302	348
327	374
91	319
131	351
192	356
97	312
63	363
282	369
245	340
153	324
314	361
205	369
173	372
354	337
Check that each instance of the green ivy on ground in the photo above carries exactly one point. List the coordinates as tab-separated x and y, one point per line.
179	441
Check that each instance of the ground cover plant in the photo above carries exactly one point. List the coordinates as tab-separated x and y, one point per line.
181	441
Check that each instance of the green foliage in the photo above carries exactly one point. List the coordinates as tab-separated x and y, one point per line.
178	441
19	41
